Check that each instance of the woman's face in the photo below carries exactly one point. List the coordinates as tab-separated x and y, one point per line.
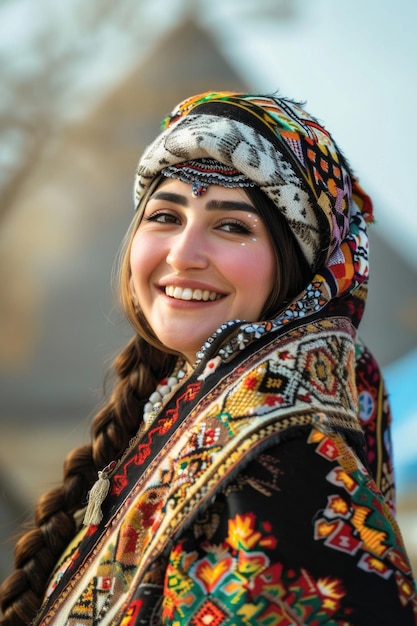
199	262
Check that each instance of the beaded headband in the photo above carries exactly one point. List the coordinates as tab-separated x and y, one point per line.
200	173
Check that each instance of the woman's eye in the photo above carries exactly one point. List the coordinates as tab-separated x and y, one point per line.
235	226
161	217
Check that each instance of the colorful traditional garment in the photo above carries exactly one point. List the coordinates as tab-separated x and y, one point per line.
262	491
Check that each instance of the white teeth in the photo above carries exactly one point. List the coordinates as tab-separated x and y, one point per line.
187	294
191	294
178	293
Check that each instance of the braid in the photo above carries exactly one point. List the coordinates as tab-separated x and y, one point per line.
137	369
37	550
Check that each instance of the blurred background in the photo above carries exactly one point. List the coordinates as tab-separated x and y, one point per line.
84	87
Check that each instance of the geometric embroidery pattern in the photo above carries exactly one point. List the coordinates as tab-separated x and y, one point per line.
313	372
209	614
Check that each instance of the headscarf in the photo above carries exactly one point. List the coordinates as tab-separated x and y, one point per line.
275	144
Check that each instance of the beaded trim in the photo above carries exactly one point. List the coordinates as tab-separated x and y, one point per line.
165	387
200	173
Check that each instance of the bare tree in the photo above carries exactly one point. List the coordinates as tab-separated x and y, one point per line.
45	77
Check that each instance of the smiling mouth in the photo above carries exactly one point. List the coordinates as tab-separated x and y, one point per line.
192	294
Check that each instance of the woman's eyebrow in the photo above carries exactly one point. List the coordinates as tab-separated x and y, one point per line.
230	205
168	196
212	205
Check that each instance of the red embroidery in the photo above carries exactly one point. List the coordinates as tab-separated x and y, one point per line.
162	426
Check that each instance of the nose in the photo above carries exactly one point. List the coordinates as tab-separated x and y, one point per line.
188	250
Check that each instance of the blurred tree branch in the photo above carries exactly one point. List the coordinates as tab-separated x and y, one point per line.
41	86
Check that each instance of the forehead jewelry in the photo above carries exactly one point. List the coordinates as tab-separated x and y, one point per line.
198	188
200	173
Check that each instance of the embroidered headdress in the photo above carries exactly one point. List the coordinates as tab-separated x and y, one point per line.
273	143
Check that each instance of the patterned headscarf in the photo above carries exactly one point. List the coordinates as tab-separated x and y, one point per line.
274	143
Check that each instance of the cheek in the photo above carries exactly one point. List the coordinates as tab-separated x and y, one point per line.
141	257
257	267
260	275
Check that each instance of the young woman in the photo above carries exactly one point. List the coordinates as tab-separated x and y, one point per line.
243	462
